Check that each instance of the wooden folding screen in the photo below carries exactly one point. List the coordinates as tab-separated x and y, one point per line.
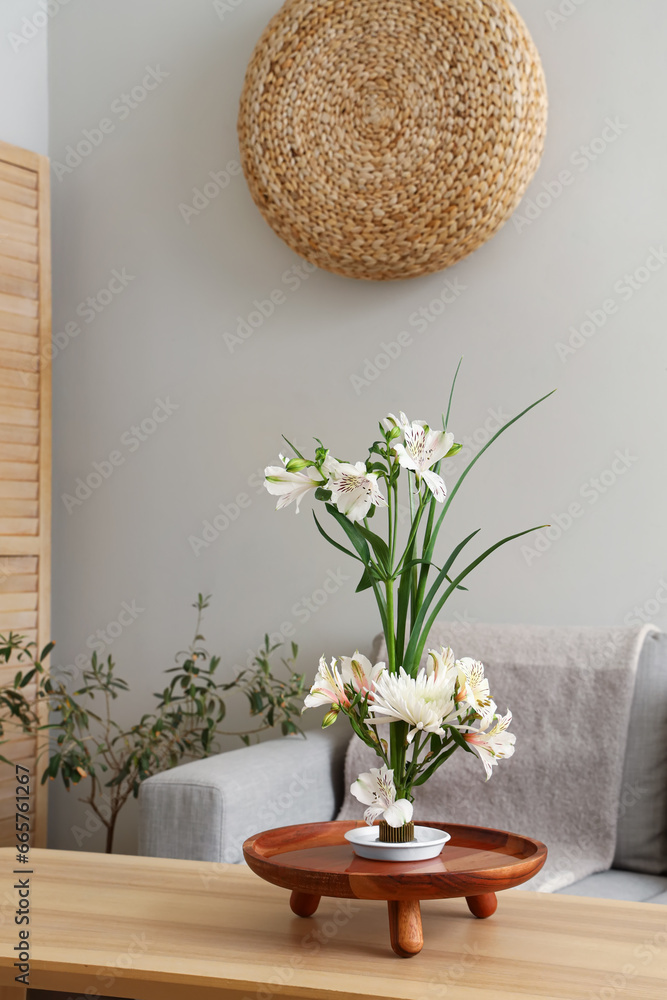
25	441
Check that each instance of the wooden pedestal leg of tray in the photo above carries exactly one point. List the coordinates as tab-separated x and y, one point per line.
303	904
482	906
405	927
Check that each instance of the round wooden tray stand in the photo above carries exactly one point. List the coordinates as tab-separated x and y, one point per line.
315	860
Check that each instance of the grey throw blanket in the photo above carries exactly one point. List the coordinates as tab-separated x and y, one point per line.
570	691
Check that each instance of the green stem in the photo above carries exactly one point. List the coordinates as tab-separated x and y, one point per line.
390	523
415	572
398	730
414	764
390	631
416	521
446	752
379	749
398	743
426	547
395	534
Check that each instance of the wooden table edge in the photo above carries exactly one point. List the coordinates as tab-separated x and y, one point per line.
153	985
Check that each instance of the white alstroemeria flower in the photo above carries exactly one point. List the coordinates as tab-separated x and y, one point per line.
442	664
421	449
424	701
358	671
474	688
376	789
289	486
493	745
353	490
355	672
328	687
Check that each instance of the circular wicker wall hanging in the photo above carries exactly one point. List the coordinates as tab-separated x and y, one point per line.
387	139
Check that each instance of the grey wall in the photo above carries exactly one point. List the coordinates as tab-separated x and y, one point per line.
189	281
24	114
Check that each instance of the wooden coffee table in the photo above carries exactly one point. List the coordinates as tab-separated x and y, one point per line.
153	929
315	860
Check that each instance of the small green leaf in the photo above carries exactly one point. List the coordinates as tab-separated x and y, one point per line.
295	450
458	738
365	583
353	533
379	546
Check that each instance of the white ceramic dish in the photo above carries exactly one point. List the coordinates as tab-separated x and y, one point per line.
427	844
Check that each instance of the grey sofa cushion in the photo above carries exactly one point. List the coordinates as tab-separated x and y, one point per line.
641	844
629	886
204	810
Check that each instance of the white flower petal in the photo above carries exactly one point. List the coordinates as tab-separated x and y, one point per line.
375	788
328	466
362	791
399	813
422	448
289	486
355	505
328	687
423	701
353	490
437	445
372	813
436	484
405	459
316	699
359	672
493	745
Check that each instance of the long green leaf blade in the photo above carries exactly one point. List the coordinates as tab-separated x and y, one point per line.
380	547
403	605
361	545
331	541
451	393
429	553
457	580
430	597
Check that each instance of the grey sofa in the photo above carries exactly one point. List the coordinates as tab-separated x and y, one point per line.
205	810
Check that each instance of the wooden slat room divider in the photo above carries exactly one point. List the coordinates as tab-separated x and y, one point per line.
25	441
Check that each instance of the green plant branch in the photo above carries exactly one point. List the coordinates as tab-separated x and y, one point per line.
91	746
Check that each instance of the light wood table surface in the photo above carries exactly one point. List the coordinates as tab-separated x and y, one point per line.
153	929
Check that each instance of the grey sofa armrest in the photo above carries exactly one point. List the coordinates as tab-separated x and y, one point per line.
204	810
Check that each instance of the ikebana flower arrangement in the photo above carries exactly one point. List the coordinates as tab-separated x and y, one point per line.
413	714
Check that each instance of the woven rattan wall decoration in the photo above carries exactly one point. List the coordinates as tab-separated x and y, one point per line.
387	139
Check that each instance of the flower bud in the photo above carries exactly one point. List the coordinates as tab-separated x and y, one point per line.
330	717
454	450
297	464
